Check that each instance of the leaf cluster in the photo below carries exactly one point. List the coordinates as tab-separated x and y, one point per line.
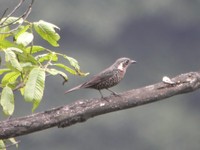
25	66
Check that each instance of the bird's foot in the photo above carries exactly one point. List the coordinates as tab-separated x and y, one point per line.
115	94
105	98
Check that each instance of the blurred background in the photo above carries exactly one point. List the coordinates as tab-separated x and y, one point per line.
162	36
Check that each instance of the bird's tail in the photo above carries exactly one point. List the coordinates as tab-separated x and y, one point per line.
73	89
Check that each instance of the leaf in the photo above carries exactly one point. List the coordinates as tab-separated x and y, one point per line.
36	103
27	58
7	101
4	70
47	31
13	141
47	57
10	78
34	87
3	32
12	20
34	49
26	64
2	145
72	71
22	91
21	30
73	62
12	59
58	72
15	49
5	44
24	39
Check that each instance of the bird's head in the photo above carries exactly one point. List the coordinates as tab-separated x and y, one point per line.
123	63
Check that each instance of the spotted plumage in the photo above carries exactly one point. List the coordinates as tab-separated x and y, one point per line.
107	78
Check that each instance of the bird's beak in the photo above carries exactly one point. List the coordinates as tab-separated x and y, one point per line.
132	61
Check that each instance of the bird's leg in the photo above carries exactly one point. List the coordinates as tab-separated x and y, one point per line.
104	98
101	94
114	93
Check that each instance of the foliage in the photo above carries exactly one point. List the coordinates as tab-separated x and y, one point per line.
25	66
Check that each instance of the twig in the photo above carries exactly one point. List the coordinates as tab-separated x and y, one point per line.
3	14
23	17
13	11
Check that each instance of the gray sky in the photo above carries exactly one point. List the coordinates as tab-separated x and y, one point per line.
162	36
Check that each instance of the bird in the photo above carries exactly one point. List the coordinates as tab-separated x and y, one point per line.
108	77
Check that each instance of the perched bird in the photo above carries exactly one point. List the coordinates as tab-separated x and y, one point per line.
108	77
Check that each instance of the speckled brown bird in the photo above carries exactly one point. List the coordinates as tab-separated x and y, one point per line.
108	77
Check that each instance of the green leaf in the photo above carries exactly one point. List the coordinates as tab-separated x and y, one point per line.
57	72
11	20
10	78
13	141
24	39
26	64
36	103
72	71
5	44
12	59
34	87
7	101
26	58
2	145
47	31
4	70
47	57
3	32
21	30
15	49
34	49
22	91
73	62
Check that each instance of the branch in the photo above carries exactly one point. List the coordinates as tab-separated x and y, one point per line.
23	17
12	12
82	110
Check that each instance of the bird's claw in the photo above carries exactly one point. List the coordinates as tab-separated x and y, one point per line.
104	98
115	94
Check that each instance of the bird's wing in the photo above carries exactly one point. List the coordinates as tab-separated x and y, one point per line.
98	78
104	75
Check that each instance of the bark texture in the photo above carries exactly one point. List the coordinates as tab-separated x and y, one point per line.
82	110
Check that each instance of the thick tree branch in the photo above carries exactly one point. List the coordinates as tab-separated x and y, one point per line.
81	110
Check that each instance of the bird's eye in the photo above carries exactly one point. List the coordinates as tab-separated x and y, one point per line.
126	63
